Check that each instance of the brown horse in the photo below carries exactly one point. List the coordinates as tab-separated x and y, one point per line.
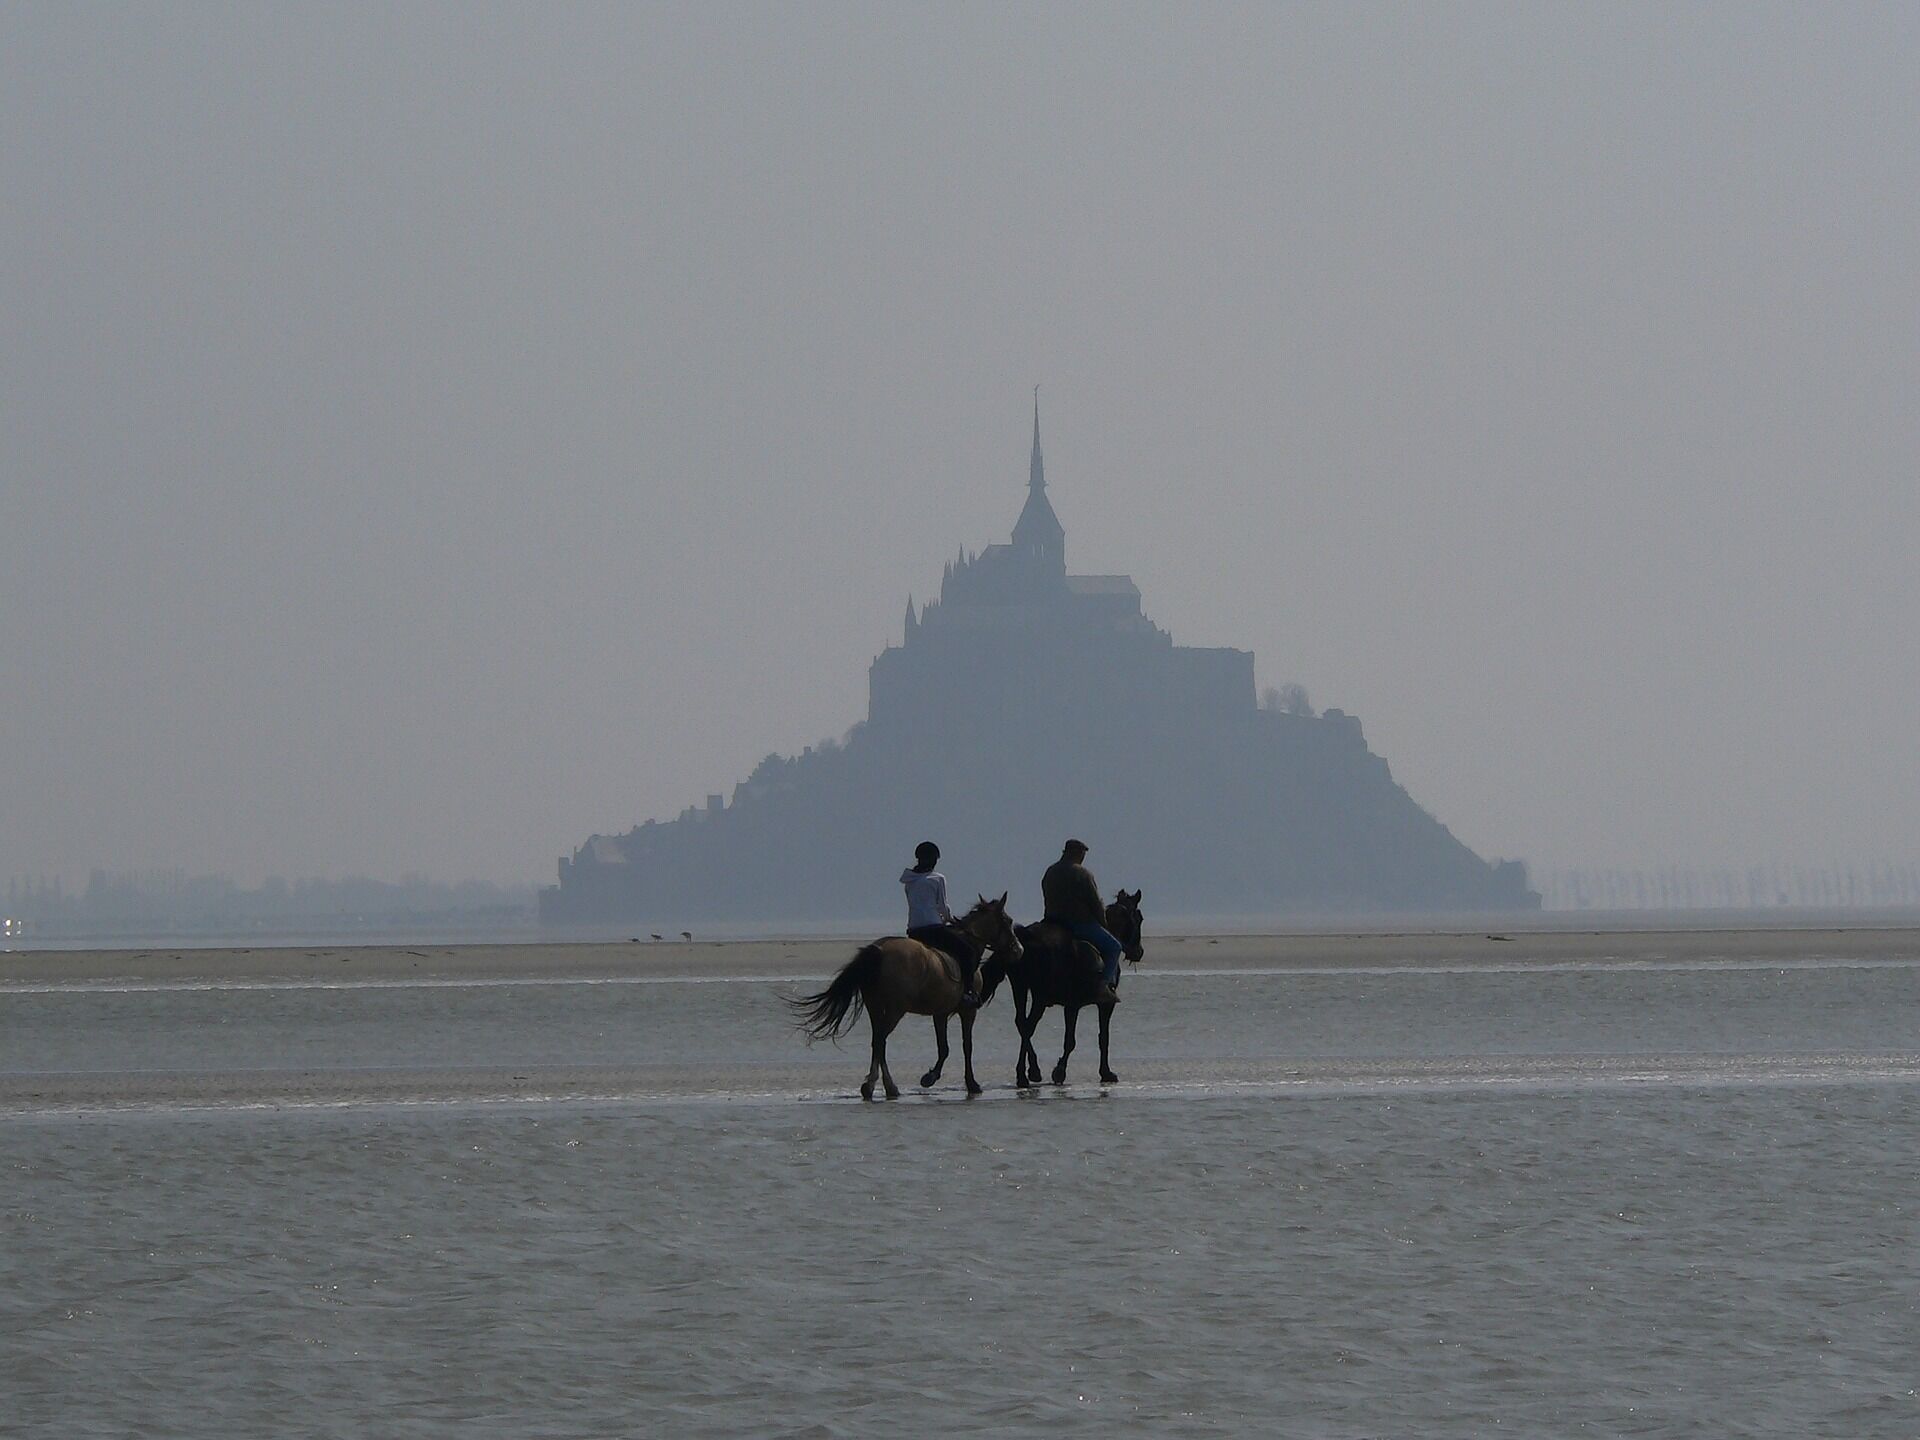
1055	969
896	977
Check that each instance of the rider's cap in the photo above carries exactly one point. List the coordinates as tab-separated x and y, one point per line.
926	851
1079	845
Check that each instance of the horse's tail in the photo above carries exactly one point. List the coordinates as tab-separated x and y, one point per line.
824	1016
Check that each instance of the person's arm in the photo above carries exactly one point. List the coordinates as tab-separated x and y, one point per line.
940	898
1090	895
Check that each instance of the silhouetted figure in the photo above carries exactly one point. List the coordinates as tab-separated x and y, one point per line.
1073	900
931	922
1052	968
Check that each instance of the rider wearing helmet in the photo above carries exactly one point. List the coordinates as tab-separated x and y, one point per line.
1073	900
930	921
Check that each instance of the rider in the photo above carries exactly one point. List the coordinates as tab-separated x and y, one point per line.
930	921
1073	900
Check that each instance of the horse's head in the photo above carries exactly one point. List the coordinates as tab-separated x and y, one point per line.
1124	922
990	927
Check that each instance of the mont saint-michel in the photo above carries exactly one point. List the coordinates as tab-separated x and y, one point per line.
1024	705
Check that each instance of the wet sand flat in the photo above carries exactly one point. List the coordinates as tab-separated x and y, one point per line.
728	959
626	1086
325	1026
1648	1183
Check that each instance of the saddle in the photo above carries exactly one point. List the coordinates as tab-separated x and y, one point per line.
1046	935
953	964
1053	939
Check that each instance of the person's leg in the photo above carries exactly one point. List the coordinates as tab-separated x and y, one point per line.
950	942
960	946
1103	940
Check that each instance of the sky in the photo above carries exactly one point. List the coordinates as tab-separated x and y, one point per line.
430	435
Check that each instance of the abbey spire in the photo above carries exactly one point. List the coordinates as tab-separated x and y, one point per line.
1038	531
1036	467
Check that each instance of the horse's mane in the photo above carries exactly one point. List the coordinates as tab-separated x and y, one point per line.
990	971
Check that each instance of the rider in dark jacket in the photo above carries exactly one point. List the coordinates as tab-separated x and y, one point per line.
1073	899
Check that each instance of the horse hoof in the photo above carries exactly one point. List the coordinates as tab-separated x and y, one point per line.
926	1080
1059	1077
1107	1077
974	1087
893	1092
866	1092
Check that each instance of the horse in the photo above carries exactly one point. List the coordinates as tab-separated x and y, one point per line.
894	977
1055	969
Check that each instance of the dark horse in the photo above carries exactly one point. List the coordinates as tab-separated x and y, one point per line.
895	977
1055	969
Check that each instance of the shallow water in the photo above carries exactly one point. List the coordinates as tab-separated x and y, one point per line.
738	1030
1581	1200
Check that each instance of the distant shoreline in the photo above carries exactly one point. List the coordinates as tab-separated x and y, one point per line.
667	960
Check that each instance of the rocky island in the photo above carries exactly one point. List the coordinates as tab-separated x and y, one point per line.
1024	705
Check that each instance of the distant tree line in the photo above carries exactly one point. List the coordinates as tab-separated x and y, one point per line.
164	901
1288	699
1874	885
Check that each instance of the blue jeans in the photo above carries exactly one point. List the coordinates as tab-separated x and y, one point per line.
1103	941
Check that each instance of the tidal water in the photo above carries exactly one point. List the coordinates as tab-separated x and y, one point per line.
1586	1199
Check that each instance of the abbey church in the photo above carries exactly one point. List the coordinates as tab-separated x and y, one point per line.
1023	705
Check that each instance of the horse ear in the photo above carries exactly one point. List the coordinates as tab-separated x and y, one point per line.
1002	901
979	899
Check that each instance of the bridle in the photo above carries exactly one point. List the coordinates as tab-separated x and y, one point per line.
1128	934
1003	943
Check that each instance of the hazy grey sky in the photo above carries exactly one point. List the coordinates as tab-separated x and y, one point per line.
430	435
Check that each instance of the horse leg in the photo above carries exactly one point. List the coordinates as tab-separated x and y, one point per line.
879	1050
1060	1070
880	1043
932	1077
1107	1077
1033	1055
1020	1029
1027	1067
1024	1022
966	1047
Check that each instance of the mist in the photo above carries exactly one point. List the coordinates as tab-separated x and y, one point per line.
432	436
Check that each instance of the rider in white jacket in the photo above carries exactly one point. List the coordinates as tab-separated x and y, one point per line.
930	921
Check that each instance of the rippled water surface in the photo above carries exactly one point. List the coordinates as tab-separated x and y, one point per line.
1570	1201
